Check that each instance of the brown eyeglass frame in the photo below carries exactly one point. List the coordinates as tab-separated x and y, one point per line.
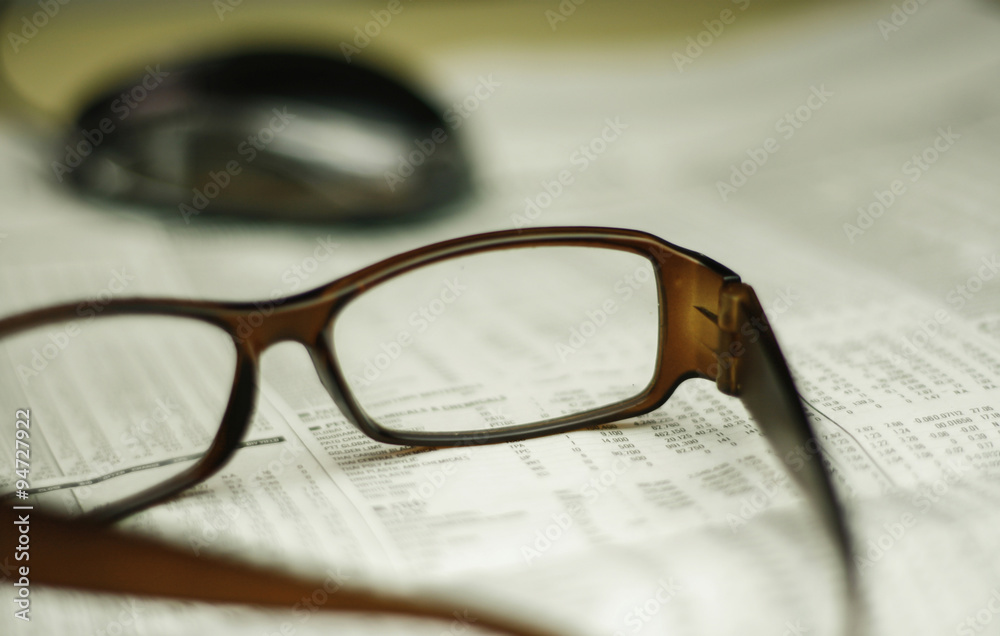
712	326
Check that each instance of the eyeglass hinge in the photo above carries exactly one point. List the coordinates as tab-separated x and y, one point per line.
730	348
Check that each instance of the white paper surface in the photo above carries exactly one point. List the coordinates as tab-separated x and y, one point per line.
680	522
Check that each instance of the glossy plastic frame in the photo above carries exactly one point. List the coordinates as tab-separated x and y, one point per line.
685	279
711	326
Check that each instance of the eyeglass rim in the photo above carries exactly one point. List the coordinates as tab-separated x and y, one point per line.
719	303
320	307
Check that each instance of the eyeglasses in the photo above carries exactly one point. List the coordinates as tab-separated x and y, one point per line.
276	130
490	338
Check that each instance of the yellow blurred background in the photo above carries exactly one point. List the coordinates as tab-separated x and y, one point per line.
82	46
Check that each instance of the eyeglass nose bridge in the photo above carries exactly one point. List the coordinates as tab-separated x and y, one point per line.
258	326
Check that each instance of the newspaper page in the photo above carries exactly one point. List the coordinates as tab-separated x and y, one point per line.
865	220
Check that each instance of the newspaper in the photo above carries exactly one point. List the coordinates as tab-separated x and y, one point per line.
865	220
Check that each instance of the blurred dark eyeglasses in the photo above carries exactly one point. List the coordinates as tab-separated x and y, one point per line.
264	130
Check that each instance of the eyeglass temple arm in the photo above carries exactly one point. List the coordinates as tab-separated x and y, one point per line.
89	556
753	368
